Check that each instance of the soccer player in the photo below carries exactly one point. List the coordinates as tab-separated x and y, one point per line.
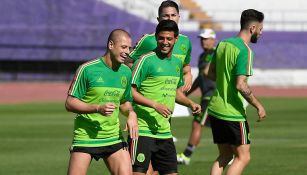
207	40
230	67
157	77
168	10
99	87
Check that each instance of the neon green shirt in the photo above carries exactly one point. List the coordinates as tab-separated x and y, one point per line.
156	79
232	58
96	83
182	48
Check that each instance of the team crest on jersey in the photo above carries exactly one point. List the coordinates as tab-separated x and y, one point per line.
177	69
124	81
183	47
141	157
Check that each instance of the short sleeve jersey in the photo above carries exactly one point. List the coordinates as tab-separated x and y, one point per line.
232	58
156	79
182	48
96	83
207	86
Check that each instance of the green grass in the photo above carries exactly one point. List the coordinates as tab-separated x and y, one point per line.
35	139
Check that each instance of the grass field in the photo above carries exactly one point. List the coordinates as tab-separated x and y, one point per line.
35	139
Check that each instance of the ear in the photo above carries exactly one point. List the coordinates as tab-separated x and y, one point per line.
253	28
110	44
158	19
176	38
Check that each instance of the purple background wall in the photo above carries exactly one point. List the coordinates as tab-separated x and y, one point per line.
77	30
61	30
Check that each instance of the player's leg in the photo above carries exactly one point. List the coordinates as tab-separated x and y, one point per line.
241	146
195	136
164	158
241	160
119	163
79	163
222	136
225	155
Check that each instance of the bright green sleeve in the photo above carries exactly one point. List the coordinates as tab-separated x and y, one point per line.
146	44
140	70
187	59
78	86
244	64
181	80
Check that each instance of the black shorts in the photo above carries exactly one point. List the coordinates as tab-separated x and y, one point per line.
100	152
202	118
229	132
161	153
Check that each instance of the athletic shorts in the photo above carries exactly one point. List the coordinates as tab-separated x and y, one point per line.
229	132
202	118
100	152
161	153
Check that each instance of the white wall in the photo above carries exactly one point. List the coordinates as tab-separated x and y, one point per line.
280	15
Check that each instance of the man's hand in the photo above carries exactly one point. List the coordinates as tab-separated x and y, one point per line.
261	113
132	124
106	109
187	82
162	109
196	108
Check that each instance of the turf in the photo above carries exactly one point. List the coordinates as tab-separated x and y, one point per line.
35	139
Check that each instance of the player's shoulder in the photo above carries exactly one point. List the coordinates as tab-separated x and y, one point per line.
183	37
146	37
90	63
125	68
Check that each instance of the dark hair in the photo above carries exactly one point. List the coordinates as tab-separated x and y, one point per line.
250	15
113	36
166	4
167	25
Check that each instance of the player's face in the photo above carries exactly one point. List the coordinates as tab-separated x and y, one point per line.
256	32
207	43
121	48
166	41
169	13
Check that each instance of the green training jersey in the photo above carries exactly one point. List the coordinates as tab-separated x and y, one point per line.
156	79
232	58
96	83
148	42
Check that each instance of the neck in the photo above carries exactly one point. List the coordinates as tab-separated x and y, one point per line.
164	56
110	62
245	36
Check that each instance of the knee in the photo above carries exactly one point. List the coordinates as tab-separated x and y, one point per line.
245	159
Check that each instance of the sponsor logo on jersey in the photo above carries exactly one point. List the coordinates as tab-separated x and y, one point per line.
113	93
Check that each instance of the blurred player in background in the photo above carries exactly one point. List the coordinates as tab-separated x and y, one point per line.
100	86
168	10
230	67
157	77
207	86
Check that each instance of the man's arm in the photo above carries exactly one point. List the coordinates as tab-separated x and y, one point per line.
140	99
132	122
185	101
77	106
210	71
246	92
187	78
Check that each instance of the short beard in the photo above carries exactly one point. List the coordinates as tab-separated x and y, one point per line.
254	38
